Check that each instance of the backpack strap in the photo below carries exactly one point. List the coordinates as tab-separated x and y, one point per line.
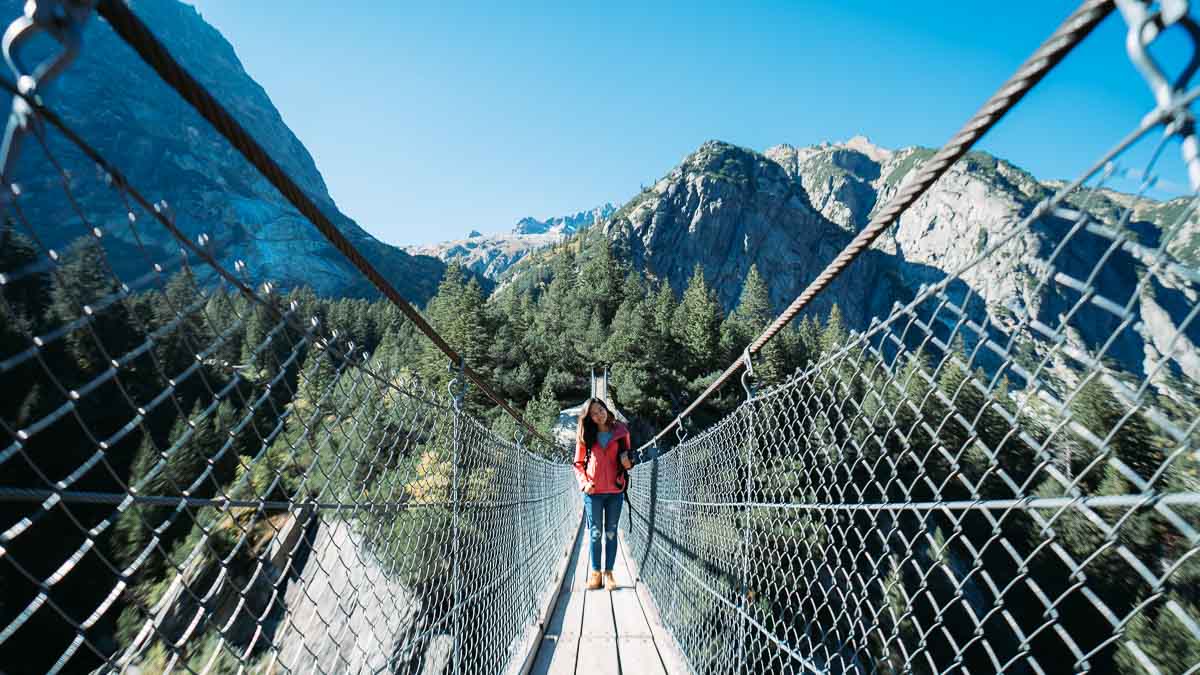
623	446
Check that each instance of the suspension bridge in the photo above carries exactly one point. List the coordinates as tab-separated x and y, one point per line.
950	489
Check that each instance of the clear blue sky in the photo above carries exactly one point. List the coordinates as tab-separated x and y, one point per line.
431	119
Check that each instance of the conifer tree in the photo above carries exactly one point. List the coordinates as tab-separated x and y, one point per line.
457	314
834	336
26	299
557	321
600	278
133	527
1130	437
28	295
664	348
809	340
747	321
542	412
697	323
84	280
754	306
177	350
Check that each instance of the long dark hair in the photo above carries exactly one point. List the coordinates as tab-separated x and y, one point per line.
588	430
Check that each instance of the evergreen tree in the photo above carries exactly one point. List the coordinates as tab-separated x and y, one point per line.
177	350
747	321
1130	438
834	336
543	411
697	324
457	314
664	347
600	278
25	300
558	321
809	339
83	280
754	305
134	526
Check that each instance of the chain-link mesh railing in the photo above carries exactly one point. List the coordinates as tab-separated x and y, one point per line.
201	477
999	476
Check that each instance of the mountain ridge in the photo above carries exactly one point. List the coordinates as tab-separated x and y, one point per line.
167	151
490	256
790	210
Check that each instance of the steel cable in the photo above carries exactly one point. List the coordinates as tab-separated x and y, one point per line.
1070	33
134	32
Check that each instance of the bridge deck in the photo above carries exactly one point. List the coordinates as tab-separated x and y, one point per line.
602	632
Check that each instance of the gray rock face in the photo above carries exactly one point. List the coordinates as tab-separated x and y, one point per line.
487	255
564	224
342	584
791	210
168	152
839	179
728	208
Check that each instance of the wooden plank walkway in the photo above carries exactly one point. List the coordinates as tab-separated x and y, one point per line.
602	632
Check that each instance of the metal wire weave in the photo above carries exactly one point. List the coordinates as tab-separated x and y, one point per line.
200	479
999	476
200	476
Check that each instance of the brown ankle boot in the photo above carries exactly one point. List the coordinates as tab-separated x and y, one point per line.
593	581
610	582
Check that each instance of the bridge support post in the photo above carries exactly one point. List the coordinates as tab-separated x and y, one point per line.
748	498
458	391
676	521
525	543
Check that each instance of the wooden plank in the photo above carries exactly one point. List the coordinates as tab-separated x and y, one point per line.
556	656
635	643
582	566
668	650
598	614
621	571
627	611
559	646
559	651
553	613
627	608
568	622
567	619
639	656
598	655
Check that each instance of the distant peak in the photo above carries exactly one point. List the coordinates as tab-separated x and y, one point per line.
474	233
714	146
864	145
564	224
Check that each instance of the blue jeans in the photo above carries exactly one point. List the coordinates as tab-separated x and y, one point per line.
602	513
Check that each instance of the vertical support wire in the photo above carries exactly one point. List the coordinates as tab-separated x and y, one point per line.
458	390
523	522
677	523
748	500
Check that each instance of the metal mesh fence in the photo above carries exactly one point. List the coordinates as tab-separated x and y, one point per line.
198	478
999	476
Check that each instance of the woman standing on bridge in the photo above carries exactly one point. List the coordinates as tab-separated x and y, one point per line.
601	458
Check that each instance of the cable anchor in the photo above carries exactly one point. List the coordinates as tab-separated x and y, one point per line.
63	21
458	384
1145	26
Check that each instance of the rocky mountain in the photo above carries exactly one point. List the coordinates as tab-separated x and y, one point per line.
491	256
790	210
728	208
168	152
564	224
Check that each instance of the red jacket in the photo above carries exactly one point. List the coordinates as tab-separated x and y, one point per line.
603	466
